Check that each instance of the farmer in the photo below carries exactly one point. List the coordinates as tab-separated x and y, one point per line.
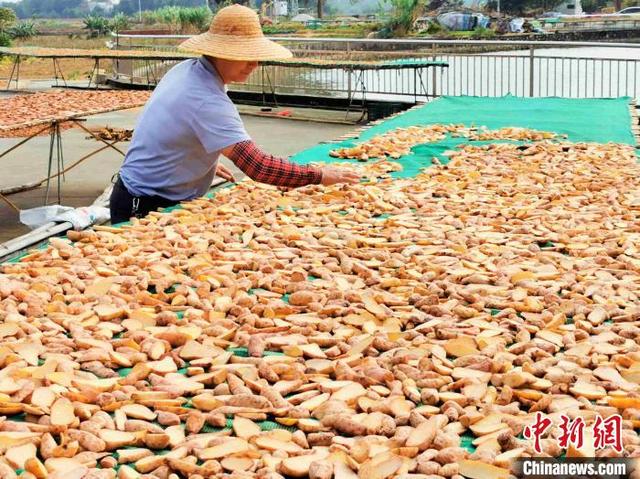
189	121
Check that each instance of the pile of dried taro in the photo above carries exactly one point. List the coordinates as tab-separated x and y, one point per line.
19	113
397	143
95	52
376	325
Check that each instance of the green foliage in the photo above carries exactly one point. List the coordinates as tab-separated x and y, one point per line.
403	14
483	34
97	26
169	16
130	7
434	28
196	18
7	18
149	18
23	30
120	22
5	39
352	30
180	19
625	3
277	29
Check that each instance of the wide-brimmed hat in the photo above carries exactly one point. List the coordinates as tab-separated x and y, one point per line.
235	34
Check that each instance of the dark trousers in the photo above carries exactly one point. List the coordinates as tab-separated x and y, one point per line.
124	205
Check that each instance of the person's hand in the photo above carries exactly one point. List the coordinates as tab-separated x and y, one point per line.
332	175
224	172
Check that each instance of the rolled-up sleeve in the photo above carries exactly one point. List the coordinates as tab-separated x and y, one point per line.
218	125
266	168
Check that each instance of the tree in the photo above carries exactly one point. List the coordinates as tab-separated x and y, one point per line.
403	14
7	18
320	2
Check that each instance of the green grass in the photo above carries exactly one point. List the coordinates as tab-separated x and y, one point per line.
355	30
58	24
74	75
62	41
477	34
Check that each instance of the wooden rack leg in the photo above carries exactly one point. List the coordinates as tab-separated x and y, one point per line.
146	71
60	158
272	87
52	137
262	76
74	164
15	70
359	80
18	73
57	70
16	146
97	72
9	150
55	142
12	205
423	86
86	157
96	64
152	79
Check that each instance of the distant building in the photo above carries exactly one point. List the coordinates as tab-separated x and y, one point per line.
106	5
278	8
569	7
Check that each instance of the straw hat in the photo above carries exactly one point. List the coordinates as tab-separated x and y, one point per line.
235	34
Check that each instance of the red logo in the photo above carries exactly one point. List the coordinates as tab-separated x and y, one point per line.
572	432
537	430
606	432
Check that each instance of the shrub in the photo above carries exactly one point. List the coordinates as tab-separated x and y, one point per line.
403	14
5	39
97	26
277	30
23	30
170	16
483	34
119	22
196	18
149	17
180	19
7	18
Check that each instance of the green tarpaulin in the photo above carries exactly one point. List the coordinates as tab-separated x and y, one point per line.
582	120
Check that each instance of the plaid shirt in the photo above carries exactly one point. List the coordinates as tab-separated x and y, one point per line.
265	168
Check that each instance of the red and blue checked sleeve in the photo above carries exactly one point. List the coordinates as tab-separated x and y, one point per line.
266	168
